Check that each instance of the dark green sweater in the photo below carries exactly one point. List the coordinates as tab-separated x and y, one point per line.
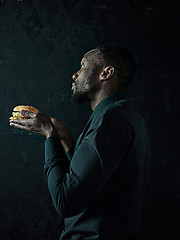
98	187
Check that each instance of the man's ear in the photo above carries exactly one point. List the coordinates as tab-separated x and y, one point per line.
106	73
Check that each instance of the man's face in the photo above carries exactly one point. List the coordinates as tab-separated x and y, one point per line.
86	81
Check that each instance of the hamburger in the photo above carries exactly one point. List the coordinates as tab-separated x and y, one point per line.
16	111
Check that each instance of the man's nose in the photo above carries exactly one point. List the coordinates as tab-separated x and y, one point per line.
74	76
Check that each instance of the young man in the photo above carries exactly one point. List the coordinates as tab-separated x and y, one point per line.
97	184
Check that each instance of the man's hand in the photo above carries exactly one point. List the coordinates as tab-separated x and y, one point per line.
64	134
35	122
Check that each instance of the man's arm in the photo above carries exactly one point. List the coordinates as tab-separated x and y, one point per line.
92	165
47	126
73	186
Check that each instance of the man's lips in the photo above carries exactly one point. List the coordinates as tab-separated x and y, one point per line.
73	86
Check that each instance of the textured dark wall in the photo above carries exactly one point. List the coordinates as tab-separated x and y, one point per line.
41	44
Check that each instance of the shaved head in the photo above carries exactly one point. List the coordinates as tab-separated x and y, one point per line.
119	58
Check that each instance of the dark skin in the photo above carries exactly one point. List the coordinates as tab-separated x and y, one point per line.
95	81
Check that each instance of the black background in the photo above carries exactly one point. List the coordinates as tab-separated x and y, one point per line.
41	45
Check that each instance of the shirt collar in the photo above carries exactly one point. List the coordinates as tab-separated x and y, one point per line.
108	101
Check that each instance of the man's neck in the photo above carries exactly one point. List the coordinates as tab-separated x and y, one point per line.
99	97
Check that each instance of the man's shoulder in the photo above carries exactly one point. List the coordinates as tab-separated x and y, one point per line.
124	110
117	106
112	107
119	111
112	112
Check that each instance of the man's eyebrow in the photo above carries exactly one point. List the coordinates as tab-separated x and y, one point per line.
83	61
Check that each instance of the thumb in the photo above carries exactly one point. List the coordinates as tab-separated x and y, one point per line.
28	114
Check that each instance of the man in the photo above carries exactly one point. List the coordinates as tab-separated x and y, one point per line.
97	184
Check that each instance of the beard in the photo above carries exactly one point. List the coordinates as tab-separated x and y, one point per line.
79	97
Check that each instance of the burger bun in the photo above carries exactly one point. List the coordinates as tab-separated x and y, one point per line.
16	111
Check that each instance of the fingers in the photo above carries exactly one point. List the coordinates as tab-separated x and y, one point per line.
52	118
34	122
25	124
19	126
57	123
22	124
54	121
